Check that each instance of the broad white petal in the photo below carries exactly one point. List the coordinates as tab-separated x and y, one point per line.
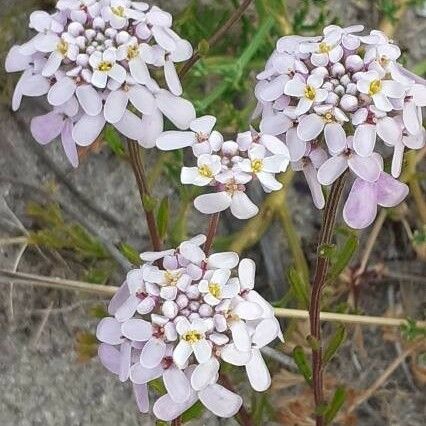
258	373
88	129
178	110
205	374
220	401
175	140
153	353
213	203
115	106
177	384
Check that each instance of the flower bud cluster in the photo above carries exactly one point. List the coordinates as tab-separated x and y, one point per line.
329	98
94	60
228	166
177	318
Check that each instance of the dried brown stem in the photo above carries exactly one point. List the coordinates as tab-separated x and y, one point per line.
144	191
321	269
234	18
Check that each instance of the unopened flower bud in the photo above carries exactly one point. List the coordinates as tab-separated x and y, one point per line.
90	34
351	89
345	80
337	70
322	71
75	28
82	59
205	310
99	37
332	99
194	316
170	309
111	33
220	323
99	23
81	42
354	63
219	339
349	102
192	292
182	301
340	90
123	37
194	306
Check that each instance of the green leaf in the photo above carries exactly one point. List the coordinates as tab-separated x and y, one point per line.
113	140
302	363
334	344
300	287
327	251
193	413
344	256
163	217
335	405
313	343
203	47
131	254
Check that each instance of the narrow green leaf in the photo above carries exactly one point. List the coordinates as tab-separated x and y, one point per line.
327	250
149	203
131	254
113	140
300	287
203	47
334	344
335	405
163	217
344	256
302	363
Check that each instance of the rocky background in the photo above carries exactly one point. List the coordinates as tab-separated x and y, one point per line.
45	378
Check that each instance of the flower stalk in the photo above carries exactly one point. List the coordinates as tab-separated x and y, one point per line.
321	269
145	193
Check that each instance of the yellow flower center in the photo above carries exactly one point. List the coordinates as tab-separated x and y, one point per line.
205	171
132	52
62	47
324	48
105	66
172	277
256	166
192	336
328	118
119	11
215	290
375	87
310	93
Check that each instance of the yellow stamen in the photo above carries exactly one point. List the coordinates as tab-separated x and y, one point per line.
215	290
205	171
256	166
310	93
132	52
62	47
172	277
105	66
192	336
119	11
324	47
328	118
375	87
231	187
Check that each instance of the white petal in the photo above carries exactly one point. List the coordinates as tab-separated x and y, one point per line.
332	169
153	353
205	374
109	357
258	372
267	331
177	384
35	86
109	331
204	124
137	329
213	203
310	126
152	126
179	111
141	375
242	207
89	99
99	79
233	356
248	311
175	140
118	73
365	139
202	351
227	260
130	126
61	91
240	336
115	106
295	87
142	397
172	78
142	99
139	71
275	124
411	118
389	130
88	129
127	309
125	360
335	137
367	168
247	273
181	353
220	401
167	410
68	143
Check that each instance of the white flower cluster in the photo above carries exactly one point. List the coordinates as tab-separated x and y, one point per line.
228	166
92	59
329	98
180	320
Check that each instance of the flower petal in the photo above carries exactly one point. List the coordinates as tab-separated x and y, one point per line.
242	207
310	126
332	169
205	374
220	401
109	331
232	355
365	139
390	191
61	91
142	397
109	357
258	372
138	330
335	137
367	168
175	140
247	273
46	128
153	353
88	129
213	203
89	99
177	384
167	410
178	110
115	106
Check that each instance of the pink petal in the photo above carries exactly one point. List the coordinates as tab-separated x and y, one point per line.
167	410
153	353
140	375
61	91
89	99
138	330
367	168
125	361
142	397
118	299
335	137
390	191
314	186
275	124
365	139
361	206
46	128
109	331
109	357
389	130
68	143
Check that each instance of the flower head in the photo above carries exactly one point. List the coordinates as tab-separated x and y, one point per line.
214	315
330	98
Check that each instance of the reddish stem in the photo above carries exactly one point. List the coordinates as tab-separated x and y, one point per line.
321	269
144	191
211	232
